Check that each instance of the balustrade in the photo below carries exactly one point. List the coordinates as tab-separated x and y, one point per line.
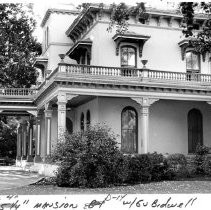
17	91
135	73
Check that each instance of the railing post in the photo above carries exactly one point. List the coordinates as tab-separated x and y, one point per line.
62	67
145	74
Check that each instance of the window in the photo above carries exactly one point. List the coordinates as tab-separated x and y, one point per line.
88	119
195	130
192	61
69	125
128	56
82	121
129	130
84	58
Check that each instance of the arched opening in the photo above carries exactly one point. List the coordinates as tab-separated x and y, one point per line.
195	130
69	125
82	121
88	118
129	127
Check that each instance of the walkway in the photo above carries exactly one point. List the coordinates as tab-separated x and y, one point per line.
13	177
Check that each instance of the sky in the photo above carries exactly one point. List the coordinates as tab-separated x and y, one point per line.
41	6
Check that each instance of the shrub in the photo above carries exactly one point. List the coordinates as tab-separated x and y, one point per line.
201	161
160	168
148	167
139	168
90	159
178	164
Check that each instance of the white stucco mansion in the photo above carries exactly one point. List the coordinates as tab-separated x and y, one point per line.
90	76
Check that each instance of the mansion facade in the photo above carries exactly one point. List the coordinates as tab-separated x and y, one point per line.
147	84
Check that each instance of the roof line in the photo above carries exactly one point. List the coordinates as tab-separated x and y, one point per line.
61	11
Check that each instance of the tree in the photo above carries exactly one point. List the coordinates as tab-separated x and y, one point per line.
201	40
18	47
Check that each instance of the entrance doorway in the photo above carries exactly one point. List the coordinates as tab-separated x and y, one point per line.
195	130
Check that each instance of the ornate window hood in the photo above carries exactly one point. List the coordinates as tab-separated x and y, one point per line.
130	37
185	45
75	50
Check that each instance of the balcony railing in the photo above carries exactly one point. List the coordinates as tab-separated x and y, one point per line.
133	73
17	92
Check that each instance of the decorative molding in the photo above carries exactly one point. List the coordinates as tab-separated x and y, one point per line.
170	21
33	112
145	101
70	97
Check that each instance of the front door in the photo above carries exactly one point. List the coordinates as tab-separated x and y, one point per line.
195	130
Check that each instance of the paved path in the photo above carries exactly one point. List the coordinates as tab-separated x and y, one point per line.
13	177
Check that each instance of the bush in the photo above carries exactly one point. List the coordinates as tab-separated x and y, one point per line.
178	164
139	168
202	165
160	168
148	167
90	159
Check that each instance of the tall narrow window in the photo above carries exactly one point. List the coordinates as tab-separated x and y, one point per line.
192	62
69	125
88	119
128	56
195	130
129	141
82	121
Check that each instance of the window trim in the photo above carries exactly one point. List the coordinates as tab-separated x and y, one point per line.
128	46
136	131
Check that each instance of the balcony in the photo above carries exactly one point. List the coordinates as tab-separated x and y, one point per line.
128	75
18	92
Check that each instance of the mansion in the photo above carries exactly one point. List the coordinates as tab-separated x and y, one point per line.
147	84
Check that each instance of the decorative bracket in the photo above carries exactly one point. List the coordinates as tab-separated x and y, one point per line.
145	101
33	112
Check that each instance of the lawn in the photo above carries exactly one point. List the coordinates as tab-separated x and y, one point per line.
191	185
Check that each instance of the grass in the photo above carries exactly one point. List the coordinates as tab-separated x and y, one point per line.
190	185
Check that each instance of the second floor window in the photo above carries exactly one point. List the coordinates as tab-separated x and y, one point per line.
192	61
128	56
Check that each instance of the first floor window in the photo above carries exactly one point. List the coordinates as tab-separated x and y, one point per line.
88	119
82	121
195	130
129	130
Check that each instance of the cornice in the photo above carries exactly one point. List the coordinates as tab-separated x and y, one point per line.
58	11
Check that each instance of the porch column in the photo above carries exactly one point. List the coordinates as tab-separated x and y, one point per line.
144	103
48	116
38	140
30	138
62	101
24	140
19	131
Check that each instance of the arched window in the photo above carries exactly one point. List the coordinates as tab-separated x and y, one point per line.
82	121
128	56
192	61
129	137
88	119
195	130
69	125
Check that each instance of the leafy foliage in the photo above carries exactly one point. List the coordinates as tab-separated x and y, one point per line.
18	47
178	164
201	161
8	138
90	159
120	14
202	39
